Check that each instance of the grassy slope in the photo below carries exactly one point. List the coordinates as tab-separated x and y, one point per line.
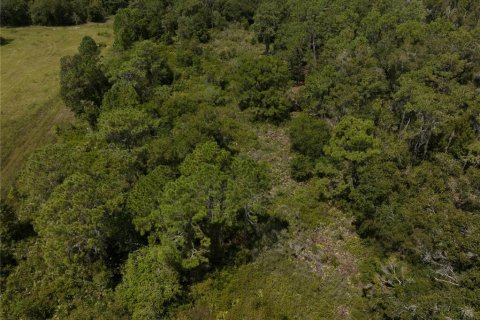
31	107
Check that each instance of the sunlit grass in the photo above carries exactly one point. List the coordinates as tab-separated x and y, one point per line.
31	106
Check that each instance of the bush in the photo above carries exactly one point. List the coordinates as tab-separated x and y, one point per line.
302	168
308	135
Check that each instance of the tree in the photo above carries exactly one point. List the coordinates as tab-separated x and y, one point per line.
192	129
353	140
88	48
12	231
348	82
122	94
309	135
194	18
267	20
351	145
129	27
193	205
215	199
311	19
77	220
53	13
46	168
82	82
237	10
14	13
95	11
125	127
111	6
142	20
246	189
149	284
145	197
428	102
262	84
144	70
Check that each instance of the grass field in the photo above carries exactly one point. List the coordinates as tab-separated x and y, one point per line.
31	106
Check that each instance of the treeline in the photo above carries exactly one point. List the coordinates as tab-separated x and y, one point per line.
56	12
156	203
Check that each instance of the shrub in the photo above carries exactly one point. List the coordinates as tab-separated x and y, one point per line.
309	135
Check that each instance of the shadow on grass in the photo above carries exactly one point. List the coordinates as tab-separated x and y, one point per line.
5	41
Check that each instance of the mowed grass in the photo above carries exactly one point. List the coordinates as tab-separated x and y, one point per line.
31	107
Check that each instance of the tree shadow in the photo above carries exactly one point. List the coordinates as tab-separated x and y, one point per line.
5	41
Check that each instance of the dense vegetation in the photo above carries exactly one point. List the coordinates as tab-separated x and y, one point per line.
56	12
271	159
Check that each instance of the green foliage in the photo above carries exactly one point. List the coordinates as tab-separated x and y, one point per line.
142	20
136	78
351	145
7	231
207	202
193	19
429	98
353	140
14	13
44	170
273	287
12	231
95	11
88	47
367	205
193	204
149	284
238	10
191	129
39	290
82	82
86	210
125	127
58	13
261	84
127	27
348	81
302	167
122	94
308	135
55	12
111	6
145	196
267	20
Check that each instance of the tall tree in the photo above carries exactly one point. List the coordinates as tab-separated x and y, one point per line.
267	21
82	82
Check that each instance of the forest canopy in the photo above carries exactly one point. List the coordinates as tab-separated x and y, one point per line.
268	159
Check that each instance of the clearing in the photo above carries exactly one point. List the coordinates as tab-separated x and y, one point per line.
31	107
